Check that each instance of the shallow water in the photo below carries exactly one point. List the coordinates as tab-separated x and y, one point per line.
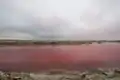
73	57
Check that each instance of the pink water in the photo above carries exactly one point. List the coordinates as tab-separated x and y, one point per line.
73	57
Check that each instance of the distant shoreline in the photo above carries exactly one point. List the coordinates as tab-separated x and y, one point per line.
33	42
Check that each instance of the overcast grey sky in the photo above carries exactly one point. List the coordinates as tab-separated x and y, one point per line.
60	19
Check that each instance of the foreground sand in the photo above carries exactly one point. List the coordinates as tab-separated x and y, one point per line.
96	74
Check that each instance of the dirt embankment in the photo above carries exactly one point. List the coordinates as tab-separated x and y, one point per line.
94	74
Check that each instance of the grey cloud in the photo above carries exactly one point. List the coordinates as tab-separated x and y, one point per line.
100	20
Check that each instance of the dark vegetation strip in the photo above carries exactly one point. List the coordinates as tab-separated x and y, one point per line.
33	42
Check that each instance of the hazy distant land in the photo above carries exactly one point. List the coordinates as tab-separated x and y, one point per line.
50	42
